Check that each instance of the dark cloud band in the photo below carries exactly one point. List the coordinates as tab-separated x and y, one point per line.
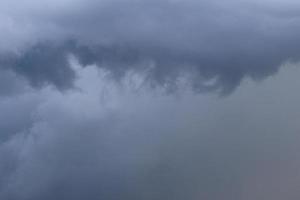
223	42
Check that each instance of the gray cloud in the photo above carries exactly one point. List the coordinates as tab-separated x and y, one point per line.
116	134
102	143
10	83
14	122
42	65
220	41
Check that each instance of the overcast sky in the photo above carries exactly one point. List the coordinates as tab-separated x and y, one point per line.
149	100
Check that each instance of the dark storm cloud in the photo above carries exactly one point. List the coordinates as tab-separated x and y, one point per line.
103	141
42	65
16	114
216	43
79	148
10	84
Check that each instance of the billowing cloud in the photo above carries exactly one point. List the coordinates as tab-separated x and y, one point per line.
216	43
101	141
84	112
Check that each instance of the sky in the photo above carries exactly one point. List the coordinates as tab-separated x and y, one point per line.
149	99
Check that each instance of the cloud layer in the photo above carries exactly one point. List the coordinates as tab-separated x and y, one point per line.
84	112
215	43
105	143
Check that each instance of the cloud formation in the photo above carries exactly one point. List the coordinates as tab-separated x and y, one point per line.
215	43
84	112
104	143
